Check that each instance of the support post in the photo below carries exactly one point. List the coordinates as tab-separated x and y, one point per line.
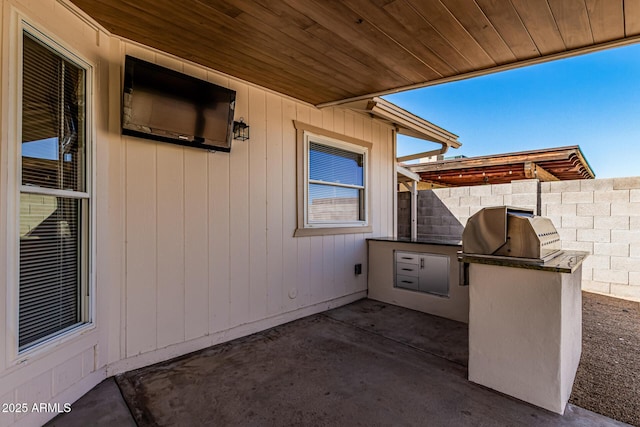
414	210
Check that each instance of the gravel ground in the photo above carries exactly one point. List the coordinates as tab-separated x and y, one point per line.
608	378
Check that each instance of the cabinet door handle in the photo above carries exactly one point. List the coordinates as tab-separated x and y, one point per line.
421	263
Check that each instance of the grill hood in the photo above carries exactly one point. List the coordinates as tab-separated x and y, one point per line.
505	231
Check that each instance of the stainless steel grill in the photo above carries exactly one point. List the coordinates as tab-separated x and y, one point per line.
508	232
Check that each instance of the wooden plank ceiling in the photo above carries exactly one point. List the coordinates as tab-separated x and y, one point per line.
551	164
324	51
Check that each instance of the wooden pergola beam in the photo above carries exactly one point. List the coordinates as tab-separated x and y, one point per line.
539	156
533	170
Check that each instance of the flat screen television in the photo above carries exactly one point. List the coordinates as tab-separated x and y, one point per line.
166	105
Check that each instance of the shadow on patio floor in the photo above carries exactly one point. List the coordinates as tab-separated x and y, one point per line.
367	363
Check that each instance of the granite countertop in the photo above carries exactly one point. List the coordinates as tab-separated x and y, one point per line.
433	240
566	262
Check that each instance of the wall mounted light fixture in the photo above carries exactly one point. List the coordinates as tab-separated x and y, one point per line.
240	130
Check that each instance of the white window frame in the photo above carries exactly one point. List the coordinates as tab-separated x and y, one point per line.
15	189
306	134
309	138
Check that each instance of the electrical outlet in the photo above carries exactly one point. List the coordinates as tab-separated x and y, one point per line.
358	269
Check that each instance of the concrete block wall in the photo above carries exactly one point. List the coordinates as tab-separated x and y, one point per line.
602	217
599	216
466	201
404	214
435	219
443	212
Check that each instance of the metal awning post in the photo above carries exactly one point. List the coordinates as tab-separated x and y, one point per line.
414	210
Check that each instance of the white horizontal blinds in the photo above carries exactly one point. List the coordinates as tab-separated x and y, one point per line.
49	267
336	184
53	201
52	119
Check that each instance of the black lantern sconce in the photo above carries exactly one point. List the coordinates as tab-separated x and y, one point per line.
240	130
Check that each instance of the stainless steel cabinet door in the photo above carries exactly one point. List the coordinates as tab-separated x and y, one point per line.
434	274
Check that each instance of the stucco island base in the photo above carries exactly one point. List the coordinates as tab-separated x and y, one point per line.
525	332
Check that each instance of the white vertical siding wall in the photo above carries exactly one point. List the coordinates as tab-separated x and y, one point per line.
209	236
193	248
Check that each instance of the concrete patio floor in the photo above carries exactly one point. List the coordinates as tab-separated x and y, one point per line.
366	363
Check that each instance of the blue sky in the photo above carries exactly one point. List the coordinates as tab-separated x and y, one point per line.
590	100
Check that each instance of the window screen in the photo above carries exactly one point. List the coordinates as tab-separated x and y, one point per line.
53	200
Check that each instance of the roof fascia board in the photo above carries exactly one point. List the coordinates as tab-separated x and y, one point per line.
405	122
410	124
397	111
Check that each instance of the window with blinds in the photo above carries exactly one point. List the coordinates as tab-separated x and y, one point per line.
54	201
336	178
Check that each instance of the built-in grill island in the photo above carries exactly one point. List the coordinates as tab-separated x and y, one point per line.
525	306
